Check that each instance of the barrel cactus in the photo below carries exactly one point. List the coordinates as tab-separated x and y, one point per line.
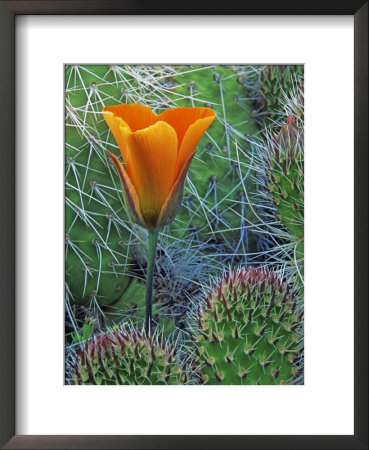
285	176
271	88
125	356
249	330
279	199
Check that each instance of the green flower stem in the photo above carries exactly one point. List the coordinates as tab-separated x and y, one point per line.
153	240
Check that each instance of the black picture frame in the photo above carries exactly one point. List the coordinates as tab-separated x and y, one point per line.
8	12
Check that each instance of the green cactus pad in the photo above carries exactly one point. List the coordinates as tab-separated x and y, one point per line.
96	235
249	330
209	211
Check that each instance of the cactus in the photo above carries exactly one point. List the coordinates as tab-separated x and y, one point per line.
278	169
249	330
271	88
125	356
96	235
283	178
179	275
212	209
285	175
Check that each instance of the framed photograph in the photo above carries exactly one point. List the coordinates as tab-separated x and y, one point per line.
185	225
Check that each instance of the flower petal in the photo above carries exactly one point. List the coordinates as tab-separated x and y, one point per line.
132	199
134	115
153	155
174	199
182	118
191	139
114	123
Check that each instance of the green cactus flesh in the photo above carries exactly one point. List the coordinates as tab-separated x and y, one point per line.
96	236
208	209
126	357
249	330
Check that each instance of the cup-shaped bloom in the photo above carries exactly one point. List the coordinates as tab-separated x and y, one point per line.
157	151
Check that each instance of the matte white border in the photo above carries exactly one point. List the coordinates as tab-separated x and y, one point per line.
325	404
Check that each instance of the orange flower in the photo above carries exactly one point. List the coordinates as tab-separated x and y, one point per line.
157	152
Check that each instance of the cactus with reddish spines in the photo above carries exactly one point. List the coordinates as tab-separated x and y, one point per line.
271	88
124	356
249	330
280	168
285	176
